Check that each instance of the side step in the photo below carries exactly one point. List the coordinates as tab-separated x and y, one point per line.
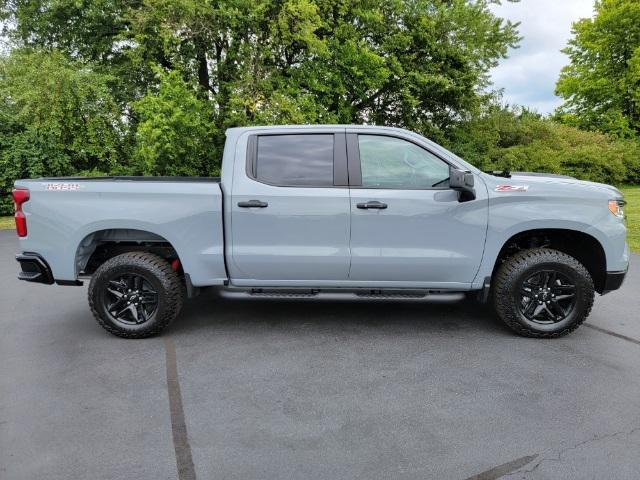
258	292
392	294
336	294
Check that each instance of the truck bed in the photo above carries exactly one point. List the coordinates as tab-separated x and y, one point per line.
66	216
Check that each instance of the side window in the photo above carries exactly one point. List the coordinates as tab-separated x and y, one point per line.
295	160
388	162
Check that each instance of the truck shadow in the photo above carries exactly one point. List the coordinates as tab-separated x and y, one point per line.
210	313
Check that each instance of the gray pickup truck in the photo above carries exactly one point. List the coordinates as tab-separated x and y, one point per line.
325	211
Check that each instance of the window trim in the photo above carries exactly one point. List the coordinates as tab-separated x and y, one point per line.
340	169
355	166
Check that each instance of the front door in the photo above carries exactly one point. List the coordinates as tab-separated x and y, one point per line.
290	210
407	225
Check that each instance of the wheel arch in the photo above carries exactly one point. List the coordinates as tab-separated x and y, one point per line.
100	245
580	245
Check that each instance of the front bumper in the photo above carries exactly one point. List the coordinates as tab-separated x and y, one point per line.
34	269
613	281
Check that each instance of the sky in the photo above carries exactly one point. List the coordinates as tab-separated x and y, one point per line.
529	75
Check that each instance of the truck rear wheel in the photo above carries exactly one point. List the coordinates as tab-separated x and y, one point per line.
542	293
135	295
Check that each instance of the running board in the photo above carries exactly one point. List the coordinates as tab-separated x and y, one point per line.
360	294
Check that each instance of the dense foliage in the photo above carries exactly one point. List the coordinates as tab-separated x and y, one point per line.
57	117
519	140
149	87
416	63
601	85
175	134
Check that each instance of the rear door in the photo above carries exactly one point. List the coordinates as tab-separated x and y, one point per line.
290	209
407	225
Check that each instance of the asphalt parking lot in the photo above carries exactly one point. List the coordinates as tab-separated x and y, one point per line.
297	390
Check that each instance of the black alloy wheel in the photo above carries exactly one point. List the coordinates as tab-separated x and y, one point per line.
130	299
547	297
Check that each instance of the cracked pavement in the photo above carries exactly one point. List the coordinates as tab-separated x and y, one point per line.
331	390
585	459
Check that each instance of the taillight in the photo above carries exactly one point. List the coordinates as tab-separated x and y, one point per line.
20	195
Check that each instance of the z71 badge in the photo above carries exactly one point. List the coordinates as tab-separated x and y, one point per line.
512	188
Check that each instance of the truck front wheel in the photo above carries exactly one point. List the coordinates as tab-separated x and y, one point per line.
135	295
542	293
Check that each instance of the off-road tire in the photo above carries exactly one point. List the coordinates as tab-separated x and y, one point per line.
159	272
513	271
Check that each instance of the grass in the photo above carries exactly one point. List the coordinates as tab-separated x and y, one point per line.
632	211
7	223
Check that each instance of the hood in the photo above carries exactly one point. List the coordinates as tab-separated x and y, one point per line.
554	179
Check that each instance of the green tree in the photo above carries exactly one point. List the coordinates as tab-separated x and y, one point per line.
58	118
89	31
175	135
420	64
601	85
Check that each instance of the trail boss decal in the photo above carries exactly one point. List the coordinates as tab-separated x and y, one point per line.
512	188
63	187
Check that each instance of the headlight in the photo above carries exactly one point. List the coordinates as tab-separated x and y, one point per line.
617	207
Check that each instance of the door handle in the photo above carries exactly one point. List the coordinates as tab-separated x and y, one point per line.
253	204
373	204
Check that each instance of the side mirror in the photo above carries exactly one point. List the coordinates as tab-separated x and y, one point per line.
462	181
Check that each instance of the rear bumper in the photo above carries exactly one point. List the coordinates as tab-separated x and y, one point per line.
34	269
613	281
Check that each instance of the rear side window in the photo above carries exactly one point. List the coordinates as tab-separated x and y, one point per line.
295	160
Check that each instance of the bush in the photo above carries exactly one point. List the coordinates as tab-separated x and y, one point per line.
503	139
